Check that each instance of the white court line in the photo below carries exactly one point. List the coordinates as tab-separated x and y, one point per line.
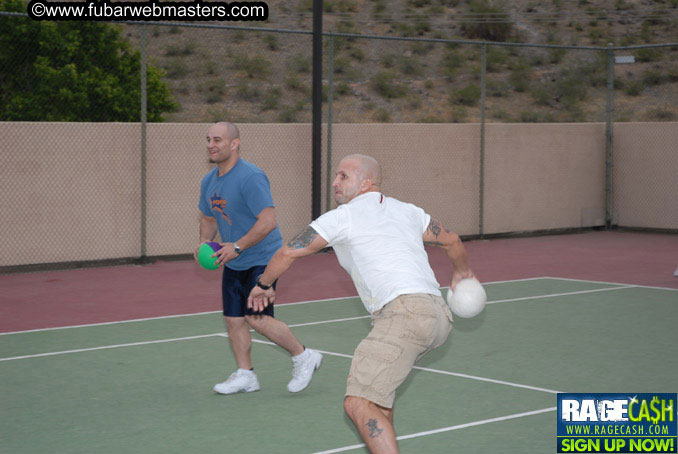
561	294
610	283
107	347
329	321
438	371
133	344
303	324
216	312
490	380
330	299
447	429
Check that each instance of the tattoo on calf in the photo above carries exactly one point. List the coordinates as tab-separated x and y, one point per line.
375	431
303	239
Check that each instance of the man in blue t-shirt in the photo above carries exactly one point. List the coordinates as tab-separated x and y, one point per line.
236	201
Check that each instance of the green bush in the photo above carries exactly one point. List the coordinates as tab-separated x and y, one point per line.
494	58
497	89
410	66
382	115
490	29
403	29
271	99
302	64
295	84
357	54
571	88
653	77
661	114
421	25
535	117
248	92
388	60
648	54
458	114
429	119
542	95
73	71
467	96
556	55
634	88
384	83
271	42
450	63
342	89
520	78
419	48
288	114
256	67
181	50
176	69
340	6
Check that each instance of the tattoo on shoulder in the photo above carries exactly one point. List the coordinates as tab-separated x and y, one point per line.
303	239
374	429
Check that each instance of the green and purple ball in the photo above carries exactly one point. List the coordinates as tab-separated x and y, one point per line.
205	255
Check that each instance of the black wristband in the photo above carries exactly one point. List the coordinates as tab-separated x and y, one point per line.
264	287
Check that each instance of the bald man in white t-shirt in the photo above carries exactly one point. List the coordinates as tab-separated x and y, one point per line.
379	241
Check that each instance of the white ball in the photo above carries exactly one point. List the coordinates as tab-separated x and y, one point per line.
468	298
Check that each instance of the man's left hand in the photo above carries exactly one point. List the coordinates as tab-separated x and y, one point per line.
225	254
259	298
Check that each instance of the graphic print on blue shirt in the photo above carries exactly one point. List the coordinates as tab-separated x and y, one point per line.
219	204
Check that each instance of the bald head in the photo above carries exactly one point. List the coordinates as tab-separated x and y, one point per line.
367	167
230	130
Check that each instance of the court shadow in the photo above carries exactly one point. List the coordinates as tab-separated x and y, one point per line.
469	324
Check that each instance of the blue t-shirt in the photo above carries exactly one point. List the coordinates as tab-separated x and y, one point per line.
235	200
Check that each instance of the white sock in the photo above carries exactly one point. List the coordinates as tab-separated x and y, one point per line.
302	354
246	371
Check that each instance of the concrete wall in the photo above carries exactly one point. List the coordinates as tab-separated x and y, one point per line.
544	176
645	176
71	191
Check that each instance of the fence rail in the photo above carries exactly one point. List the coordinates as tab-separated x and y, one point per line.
507	126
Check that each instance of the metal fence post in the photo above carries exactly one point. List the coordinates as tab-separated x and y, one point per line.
608	136
481	188
330	101
143	142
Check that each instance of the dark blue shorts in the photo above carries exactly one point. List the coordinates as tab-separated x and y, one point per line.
235	288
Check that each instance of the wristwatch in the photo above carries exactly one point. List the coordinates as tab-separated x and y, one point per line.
262	286
236	248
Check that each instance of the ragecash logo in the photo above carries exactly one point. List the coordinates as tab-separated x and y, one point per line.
615	422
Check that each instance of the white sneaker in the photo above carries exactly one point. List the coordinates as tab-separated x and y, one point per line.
241	381
304	367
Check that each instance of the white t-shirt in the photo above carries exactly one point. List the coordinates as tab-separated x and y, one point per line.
378	241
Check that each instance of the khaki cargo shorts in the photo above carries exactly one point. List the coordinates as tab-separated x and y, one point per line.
403	331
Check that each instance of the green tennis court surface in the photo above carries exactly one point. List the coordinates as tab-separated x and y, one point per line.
146	386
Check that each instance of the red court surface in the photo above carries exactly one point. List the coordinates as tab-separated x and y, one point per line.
95	295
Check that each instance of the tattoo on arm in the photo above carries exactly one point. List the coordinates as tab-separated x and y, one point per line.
303	239
434	243
435	227
375	431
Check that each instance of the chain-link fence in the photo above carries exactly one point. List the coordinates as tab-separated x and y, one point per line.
490	138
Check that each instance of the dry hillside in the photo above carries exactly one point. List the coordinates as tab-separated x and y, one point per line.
265	77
